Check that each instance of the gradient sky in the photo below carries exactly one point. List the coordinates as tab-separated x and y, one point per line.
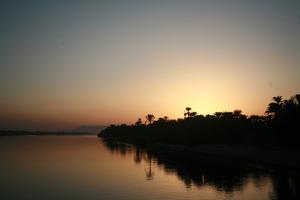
67	63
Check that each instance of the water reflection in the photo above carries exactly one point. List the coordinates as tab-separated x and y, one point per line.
82	168
228	178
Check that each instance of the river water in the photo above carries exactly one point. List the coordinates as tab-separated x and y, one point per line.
74	167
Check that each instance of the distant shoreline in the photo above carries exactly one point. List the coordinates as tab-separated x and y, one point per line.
5	133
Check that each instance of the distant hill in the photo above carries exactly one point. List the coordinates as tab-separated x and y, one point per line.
89	129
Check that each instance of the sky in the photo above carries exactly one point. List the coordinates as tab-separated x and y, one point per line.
68	63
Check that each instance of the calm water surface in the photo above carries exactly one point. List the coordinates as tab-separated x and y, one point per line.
88	168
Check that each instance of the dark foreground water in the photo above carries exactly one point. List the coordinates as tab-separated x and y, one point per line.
88	168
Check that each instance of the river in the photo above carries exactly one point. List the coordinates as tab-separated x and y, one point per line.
75	167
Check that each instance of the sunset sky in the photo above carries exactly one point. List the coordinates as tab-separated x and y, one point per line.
68	63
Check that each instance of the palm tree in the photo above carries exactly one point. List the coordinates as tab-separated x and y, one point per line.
278	99
150	118
275	107
187	113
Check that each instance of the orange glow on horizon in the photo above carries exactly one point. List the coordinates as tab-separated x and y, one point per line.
99	67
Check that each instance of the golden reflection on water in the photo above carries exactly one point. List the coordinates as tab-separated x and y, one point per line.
86	168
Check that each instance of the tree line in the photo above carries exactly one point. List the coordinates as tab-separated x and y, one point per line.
278	127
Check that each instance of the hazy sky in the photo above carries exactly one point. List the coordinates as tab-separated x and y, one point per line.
66	63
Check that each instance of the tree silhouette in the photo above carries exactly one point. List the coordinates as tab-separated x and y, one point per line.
227	115
275	107
218	114
150	118
280	127
297	97
193	114
237	113
289	105
187	113
278	99
138	122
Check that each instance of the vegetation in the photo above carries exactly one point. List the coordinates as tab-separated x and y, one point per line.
278	127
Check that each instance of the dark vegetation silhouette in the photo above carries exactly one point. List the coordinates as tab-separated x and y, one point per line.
279	126
150	118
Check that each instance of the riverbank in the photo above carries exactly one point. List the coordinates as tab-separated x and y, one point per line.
272	157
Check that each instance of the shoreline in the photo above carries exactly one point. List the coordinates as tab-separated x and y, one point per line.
4	133
259	157
231	153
